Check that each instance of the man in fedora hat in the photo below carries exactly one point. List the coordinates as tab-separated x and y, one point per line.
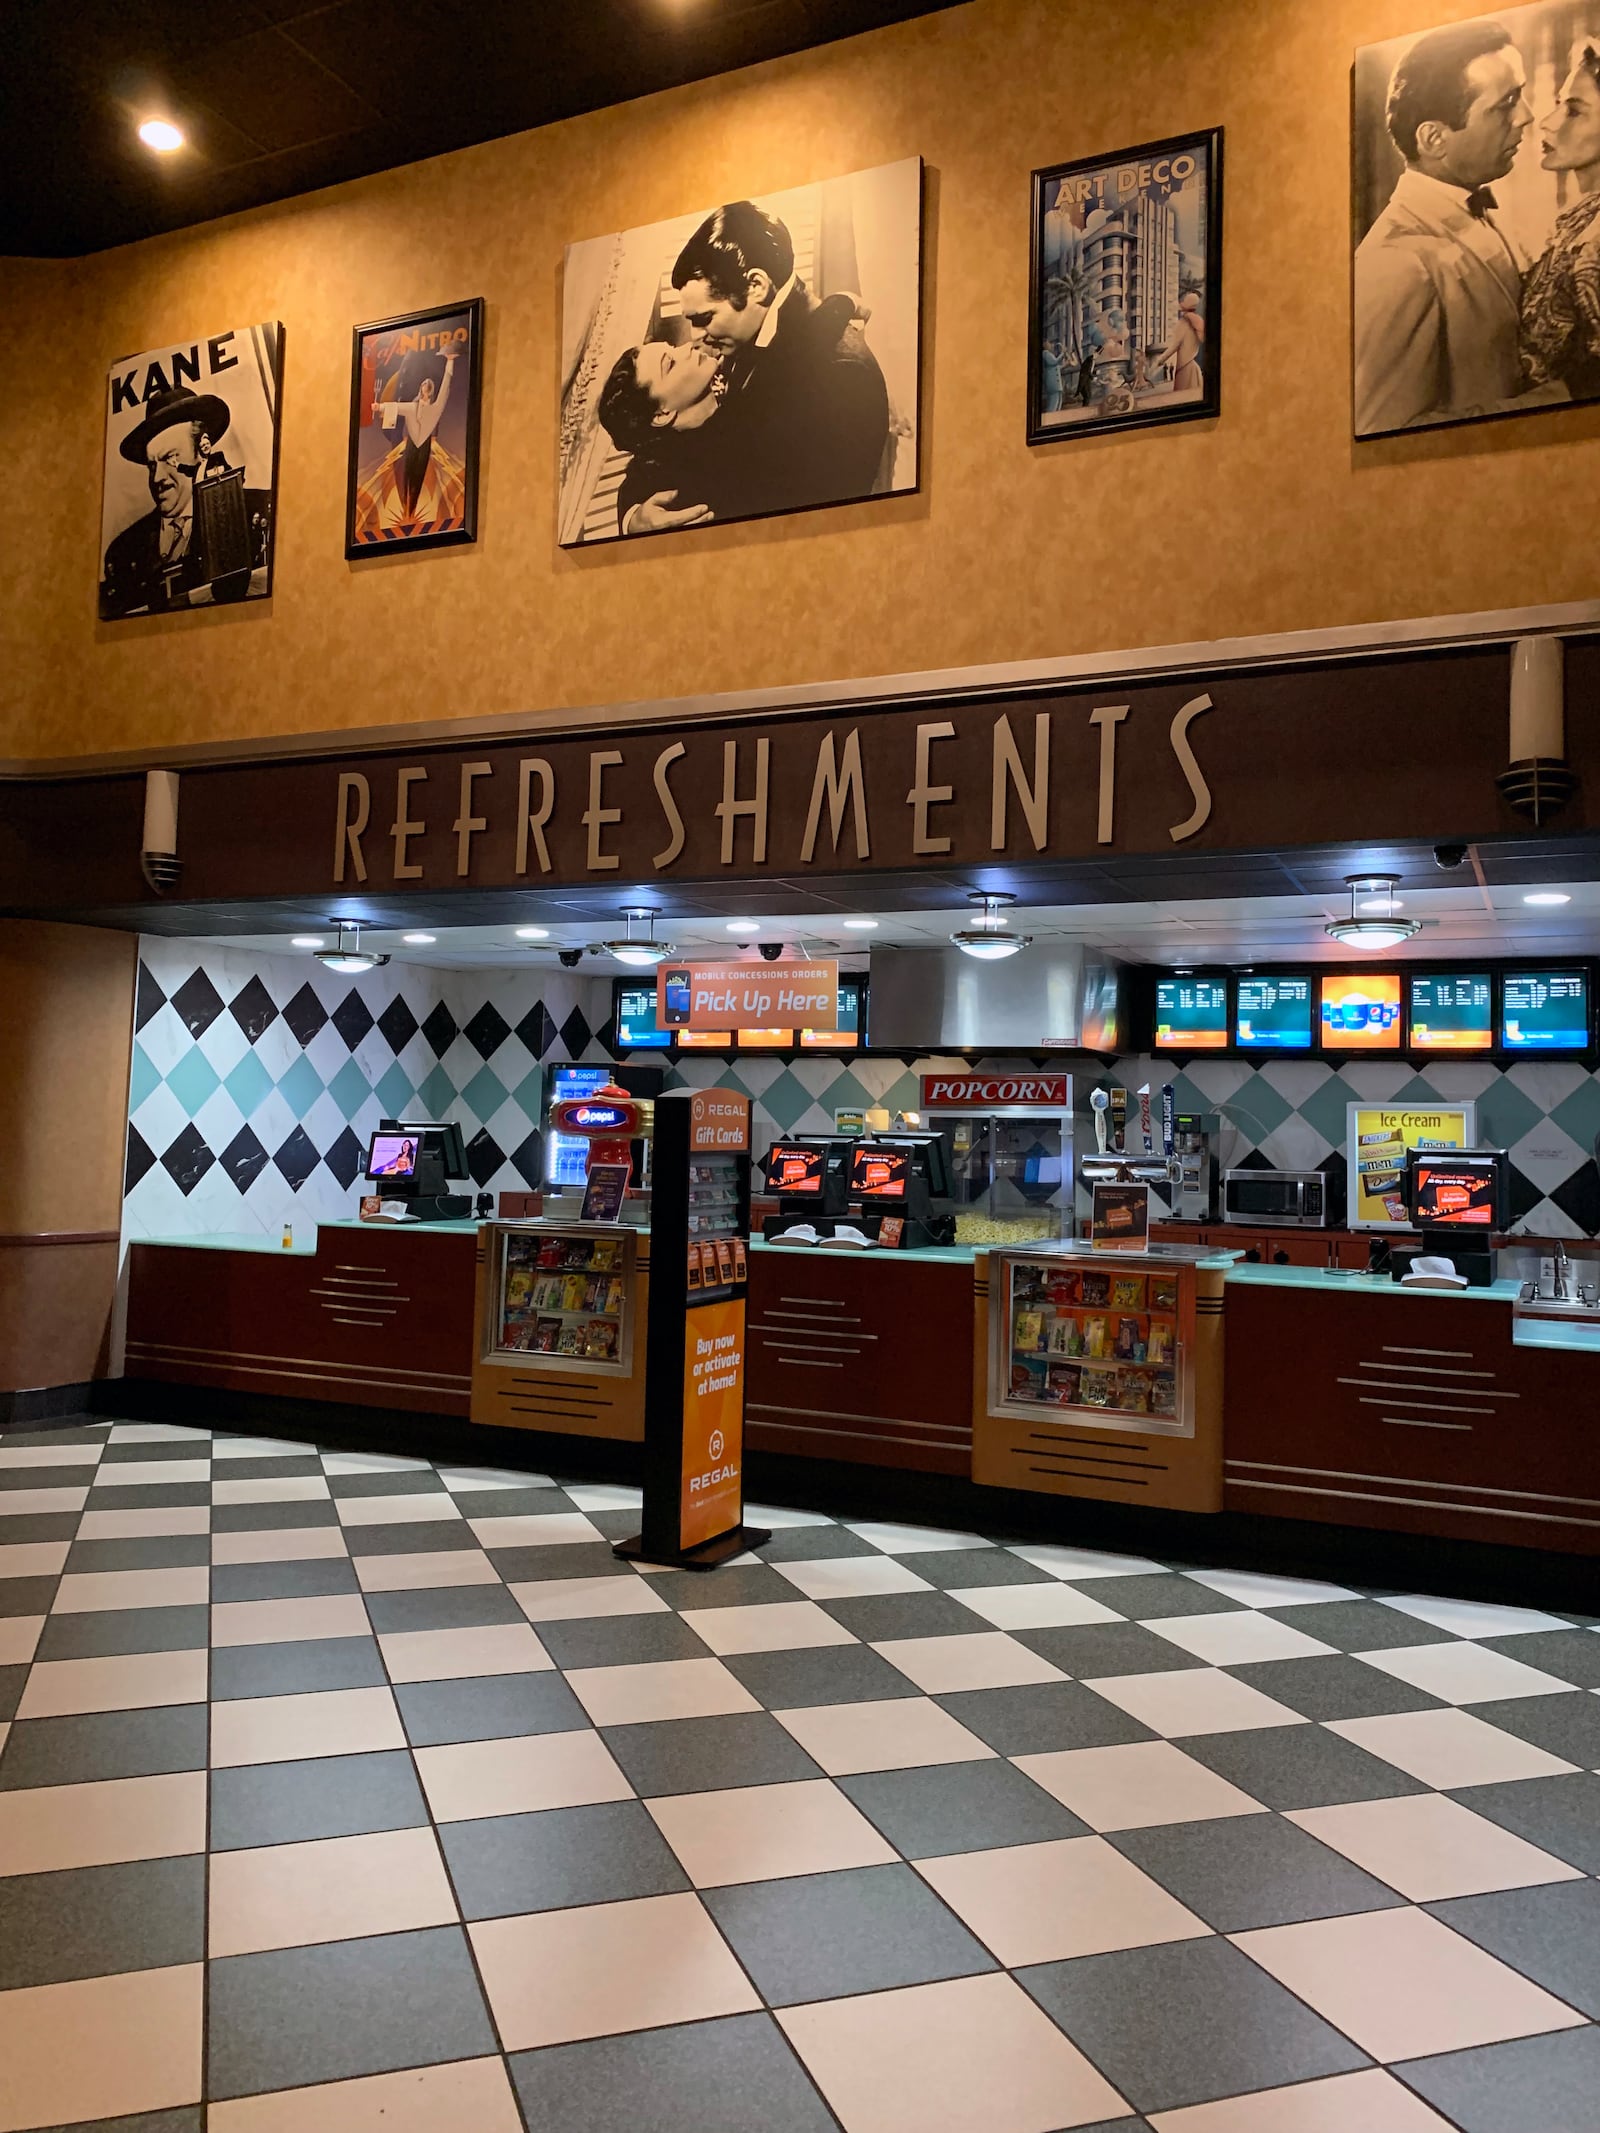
161	560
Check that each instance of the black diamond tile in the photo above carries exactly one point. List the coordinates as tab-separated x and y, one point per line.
148	998
442	1607
188	1159
198	1002
397	1024
244	1159
141	1156
484	1156
1524	1195
352	1018
164	1551
952	1569
439	1027
527	1160
487	1030
305	1015
1159	1596
537	1029
575	1034
297	1158
347	1158
1578	1197
254	1009
312	1580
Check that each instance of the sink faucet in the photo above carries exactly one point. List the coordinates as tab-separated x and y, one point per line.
1563	1268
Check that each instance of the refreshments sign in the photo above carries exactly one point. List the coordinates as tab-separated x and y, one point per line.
996	1092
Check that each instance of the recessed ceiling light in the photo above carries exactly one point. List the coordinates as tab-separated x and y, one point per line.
1548	896
1384	931
744	925
419	940
533	933
161	135
306	940
860	925
986	938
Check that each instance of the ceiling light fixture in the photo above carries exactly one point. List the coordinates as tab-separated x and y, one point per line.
533	933
986	938
860	925
419	940
639	954
350	959
307	940
744	925
1387	929
161	135
1548	898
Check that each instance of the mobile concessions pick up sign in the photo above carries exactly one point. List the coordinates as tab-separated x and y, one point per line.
748	996
996	1092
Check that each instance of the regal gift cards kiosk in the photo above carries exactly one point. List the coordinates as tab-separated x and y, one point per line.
695	1352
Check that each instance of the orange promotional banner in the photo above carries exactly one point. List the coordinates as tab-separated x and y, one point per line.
748	995
712	1492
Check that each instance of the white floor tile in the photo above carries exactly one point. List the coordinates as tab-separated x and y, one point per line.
157	1433
335	1888
852	1577
1431	1848
19	1638
97	1591
1193	1700
144	1524
468	1480
371	1463
107	1822
39	1503
778	1516
57	1688
15	1456
288	1544
426	1571
900	1733
296	1621
768	1833
1041	1903
913	1540
557	1529
1080	1563
1252	1588
1473	1618
146	2056
292	1729
666	1688
604	1496
150	1473
1139	1786
1449	1748
1052	1606
587	1599
289	1488
468	1781
260	1448
988	1659
1237	1638
33	1559
457	1654
430	1509
773	1626
1465	1673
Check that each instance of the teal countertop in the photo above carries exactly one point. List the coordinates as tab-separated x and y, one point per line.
305	1237
918	1255
1576	1336
1310	1277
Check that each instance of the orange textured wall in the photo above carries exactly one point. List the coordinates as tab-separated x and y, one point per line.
1268	519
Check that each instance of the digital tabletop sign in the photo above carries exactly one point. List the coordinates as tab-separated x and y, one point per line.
1191	1014
1273	1014
1545	1011
1452	1011
1361	1012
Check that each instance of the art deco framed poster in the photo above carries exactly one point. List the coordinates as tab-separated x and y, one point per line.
416	384
1125	301
190	484
743	360
1476	219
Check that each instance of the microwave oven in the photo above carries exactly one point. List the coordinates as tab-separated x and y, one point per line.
1275	1199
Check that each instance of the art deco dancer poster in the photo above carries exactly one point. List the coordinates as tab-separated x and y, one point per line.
415	387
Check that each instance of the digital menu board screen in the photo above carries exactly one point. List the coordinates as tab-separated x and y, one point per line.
637	1029
1273	1014
847	1036
1191	1014
1361	1012
1545	1011
1452	1011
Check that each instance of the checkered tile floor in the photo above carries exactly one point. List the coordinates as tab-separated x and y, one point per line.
343	1794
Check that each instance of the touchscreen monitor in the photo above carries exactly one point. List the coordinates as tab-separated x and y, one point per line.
879	1173
795	1167
1545	1011
1466	1191
1273	1014
392	1155
1361	1012
1191	1014
1451	1011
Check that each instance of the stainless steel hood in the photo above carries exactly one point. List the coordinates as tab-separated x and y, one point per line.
938	999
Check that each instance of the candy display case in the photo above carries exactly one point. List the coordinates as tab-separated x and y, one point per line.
561	1327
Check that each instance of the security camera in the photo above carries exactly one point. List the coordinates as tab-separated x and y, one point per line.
1449	856
569	958
771	951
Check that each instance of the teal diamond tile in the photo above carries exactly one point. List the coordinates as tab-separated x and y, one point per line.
1579	1113
394	1092
846	1094
438	1093
249	1084
786	1101
192	1080
1505	1114
350	1088
144	1078
902	1094
485	1092
1257	1110
528	1095
301	1086
1328	1109
1420	1090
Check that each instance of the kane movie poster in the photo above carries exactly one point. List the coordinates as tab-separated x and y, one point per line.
189	500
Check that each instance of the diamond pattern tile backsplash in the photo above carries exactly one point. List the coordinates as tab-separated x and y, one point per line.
257	1079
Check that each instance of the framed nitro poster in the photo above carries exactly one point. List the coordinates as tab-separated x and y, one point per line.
1125	299
415	390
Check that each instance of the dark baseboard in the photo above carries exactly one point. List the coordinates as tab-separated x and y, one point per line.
46	1403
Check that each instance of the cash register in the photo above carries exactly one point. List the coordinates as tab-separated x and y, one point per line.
1457	1198
411	1161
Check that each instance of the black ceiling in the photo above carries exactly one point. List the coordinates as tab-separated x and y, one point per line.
279	97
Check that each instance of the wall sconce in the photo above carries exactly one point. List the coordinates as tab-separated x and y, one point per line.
1538	780
158	851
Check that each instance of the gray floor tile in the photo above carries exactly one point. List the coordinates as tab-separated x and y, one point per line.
486	1503
34	1596
44	1477
62	1433
126	1455
615	1525
282	1581
331	1796
107	1632
814	1544
950	1568
1153	1597
1091	1650
619	1640
960	1807
559	1859
834	1673
1042	1717
277	1517
577	1559
1550	2082
1299	1766
390	1481
1187	2023
442	1607
273	1469
294	1669
824	1936
13	1679
40	1526
707	1754
183	2121
98	1921
157	1551
725	2076
1360	1625
431	1536
494	1708
104	1744
1570	1654
1550	1934
298	2016
754	1585
1568	1726
881	1616
1334	1687
1255	1870
148	1495
1559	1814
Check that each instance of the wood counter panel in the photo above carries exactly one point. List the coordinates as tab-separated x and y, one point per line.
376	1318
866	1363
1413	1414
